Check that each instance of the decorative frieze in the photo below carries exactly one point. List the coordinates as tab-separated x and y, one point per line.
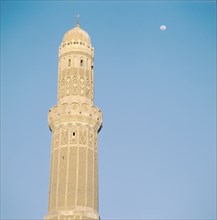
66	111
73	85
77	135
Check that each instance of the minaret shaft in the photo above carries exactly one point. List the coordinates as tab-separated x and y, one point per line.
74	123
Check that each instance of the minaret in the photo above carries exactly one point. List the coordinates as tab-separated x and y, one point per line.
75	123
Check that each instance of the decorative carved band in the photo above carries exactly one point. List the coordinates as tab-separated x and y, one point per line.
75	135
74	112
75	82
74	52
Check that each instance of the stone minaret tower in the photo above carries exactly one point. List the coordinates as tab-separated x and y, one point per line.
75	123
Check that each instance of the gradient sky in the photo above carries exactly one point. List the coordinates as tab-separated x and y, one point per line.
157	91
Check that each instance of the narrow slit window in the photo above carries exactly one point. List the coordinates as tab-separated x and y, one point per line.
73	133
69	62
82	63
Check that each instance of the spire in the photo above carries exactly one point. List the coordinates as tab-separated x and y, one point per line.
77	21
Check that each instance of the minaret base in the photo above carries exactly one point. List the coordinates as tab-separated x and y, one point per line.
80	213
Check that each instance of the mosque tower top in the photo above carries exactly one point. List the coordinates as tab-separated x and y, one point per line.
77	34
76	58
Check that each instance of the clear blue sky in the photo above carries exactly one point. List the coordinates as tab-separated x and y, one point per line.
157	91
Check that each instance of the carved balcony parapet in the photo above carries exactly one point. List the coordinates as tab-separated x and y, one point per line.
74	112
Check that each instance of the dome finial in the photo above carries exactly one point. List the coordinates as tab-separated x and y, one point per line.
77	21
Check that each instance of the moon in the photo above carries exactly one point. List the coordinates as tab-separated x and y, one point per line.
163	27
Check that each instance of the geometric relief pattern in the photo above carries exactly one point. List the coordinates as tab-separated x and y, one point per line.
64	135
82	86
72	134
87	89
56	137
68	86
62	83
82	134
76	81
91	138
75	86
62	88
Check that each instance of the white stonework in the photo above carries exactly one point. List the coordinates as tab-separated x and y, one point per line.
75	123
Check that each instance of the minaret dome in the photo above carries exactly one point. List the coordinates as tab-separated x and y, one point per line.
76	34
